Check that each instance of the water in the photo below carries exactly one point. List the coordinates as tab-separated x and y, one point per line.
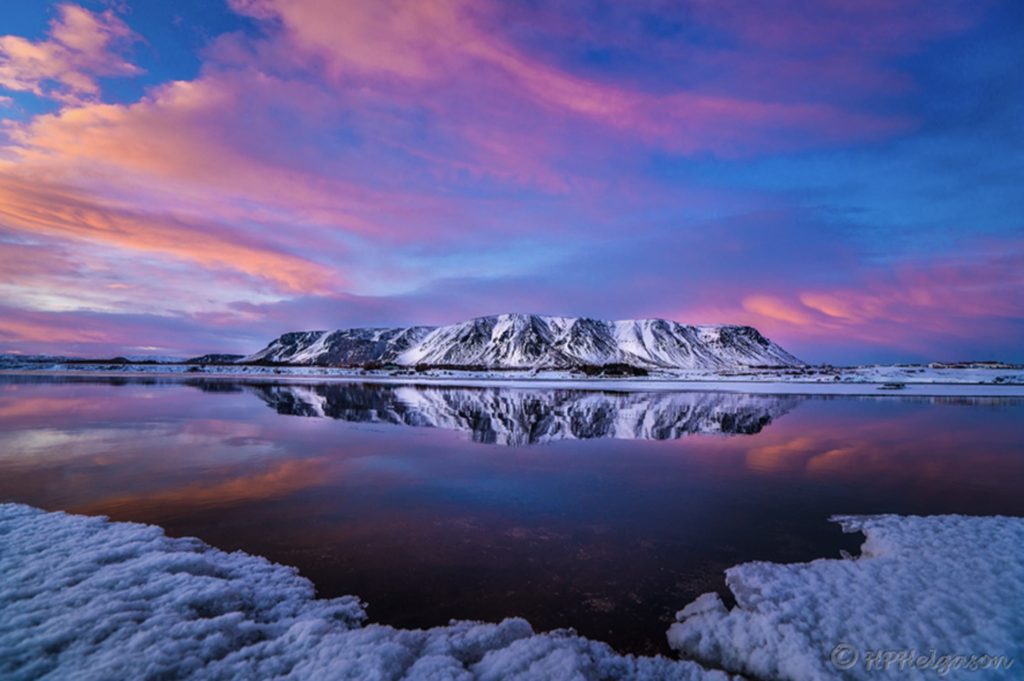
601	511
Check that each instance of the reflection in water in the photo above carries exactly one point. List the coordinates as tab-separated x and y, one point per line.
594	530
521	417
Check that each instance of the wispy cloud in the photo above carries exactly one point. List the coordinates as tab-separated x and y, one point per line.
339	163
81	46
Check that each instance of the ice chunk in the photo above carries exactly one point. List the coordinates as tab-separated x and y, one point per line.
927	595
86	598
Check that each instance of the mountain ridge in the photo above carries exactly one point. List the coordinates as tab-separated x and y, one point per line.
528	341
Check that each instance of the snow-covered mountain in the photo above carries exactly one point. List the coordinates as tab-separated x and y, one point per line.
347	347
520	417
522	341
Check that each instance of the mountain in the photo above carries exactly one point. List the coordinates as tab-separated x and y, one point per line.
522	341
347	347
521	417
9	361
215	358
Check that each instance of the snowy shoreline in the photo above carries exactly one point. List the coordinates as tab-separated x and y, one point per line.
860	381
88	598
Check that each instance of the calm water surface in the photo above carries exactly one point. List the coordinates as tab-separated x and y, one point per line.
601	511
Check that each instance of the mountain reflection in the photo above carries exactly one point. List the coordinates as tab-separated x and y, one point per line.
520	417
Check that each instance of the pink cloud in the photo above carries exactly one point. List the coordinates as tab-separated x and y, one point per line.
20	328
81	46
915	306
394	144
873	26
214	146
97	334
50	210
446	51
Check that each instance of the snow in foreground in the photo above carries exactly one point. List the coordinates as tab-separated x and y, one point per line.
85	598
927	594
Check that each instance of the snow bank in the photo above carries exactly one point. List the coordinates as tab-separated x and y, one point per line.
927	595
85	598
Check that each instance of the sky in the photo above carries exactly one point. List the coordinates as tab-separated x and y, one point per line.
201	176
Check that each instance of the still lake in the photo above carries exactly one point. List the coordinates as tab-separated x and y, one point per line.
598	510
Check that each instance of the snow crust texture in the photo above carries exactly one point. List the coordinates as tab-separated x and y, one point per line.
930	597
84	598
518	341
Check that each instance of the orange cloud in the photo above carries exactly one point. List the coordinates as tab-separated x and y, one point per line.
81	46
829	304
38	208
775	308
182	147
906	306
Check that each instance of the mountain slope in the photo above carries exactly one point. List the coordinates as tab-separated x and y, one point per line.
521	341
347	347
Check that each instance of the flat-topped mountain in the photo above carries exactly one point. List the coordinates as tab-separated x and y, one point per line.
524	341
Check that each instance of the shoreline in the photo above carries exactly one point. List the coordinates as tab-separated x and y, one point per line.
859	388
117	596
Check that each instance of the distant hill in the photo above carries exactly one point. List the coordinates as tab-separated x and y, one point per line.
215	358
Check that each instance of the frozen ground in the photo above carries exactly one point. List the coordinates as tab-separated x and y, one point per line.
865	380
85	598
930	597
